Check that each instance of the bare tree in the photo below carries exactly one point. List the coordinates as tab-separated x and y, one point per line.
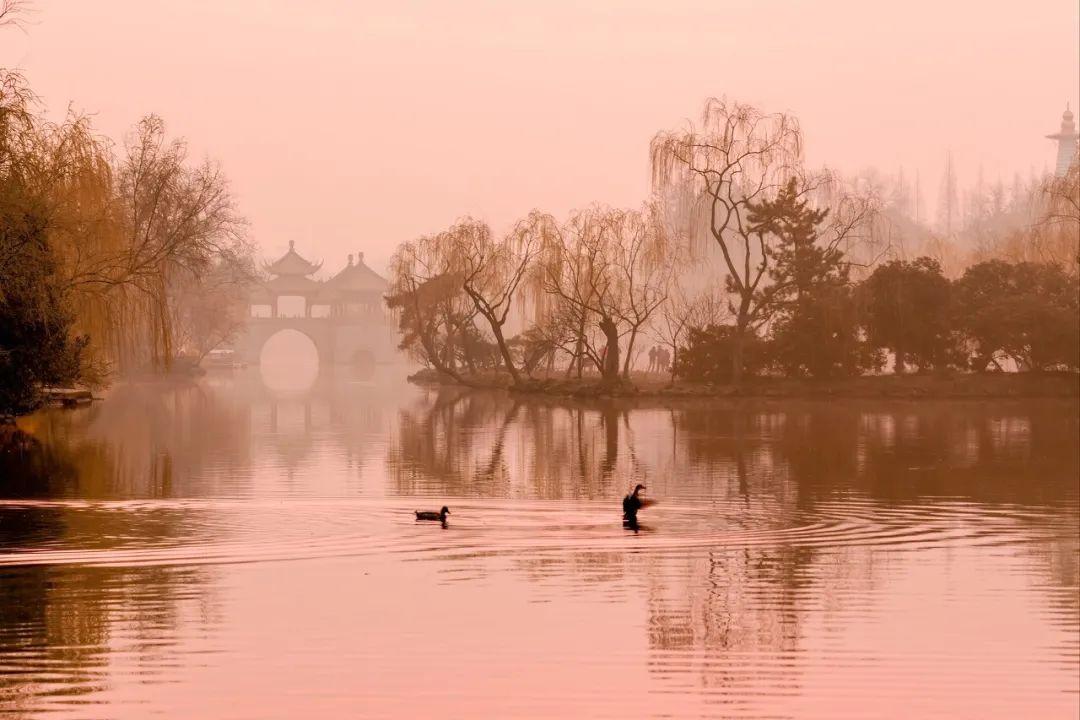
736	158
166	217
427	301
1056	233
581	271
13	12
685	310
645	261
208	310
492	271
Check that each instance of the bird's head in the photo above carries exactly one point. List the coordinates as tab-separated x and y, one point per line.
638	488
445	510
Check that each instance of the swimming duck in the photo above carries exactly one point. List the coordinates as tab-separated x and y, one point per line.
428	515
631	504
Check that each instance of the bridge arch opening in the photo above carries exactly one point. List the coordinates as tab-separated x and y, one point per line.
289	360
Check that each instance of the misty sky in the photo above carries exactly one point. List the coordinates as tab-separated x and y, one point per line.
352	126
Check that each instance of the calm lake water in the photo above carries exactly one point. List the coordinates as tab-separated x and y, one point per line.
228	551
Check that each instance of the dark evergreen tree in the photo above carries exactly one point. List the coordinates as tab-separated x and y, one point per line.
798	262
37	344
815	328
1028	313
906	306
707	356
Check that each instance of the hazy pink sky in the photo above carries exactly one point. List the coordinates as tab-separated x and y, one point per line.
353	126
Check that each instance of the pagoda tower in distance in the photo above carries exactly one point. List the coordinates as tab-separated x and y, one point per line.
1067	139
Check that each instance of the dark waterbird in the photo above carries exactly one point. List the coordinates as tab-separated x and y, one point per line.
631	504
429	515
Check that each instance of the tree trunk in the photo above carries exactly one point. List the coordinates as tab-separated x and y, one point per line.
629	354
466	353
738	347
449	354
496	330
674	358
737	359
610	369
579	349
570	367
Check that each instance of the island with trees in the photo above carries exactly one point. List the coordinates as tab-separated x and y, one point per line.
746	272
756	275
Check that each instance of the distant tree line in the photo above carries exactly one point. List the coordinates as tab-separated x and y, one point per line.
997	316
111	259
813	281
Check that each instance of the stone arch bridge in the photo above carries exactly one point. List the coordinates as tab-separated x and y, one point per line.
344	317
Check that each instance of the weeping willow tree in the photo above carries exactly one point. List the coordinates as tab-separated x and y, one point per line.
12	12
127	235
735	158
431	309
608	269
492	271
1056	234
442	283
178	220
38	343
737	155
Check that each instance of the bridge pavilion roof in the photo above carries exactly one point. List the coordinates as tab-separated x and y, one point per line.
286	285
291	264
357	278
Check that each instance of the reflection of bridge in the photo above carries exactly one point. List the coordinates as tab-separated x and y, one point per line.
344	317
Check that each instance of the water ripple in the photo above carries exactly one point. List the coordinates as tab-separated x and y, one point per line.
205	532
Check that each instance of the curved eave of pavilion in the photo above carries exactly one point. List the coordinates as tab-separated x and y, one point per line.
291	263
295	265
290	285
358	278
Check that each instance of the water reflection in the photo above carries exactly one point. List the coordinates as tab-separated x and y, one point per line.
782	512
805	559
64	631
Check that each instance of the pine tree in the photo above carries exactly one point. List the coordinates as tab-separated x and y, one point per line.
814	327
799	263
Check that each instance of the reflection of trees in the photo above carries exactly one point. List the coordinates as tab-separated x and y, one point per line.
145	441
788	454
59	625
176	440
459	442
762	465
443	446
990	452
28	468
741	601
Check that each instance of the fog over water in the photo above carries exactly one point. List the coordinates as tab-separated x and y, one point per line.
226	549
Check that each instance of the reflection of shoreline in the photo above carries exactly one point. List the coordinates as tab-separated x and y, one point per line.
81	623
656	388
783	531
464	442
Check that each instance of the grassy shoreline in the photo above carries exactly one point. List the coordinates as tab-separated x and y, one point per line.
930	386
